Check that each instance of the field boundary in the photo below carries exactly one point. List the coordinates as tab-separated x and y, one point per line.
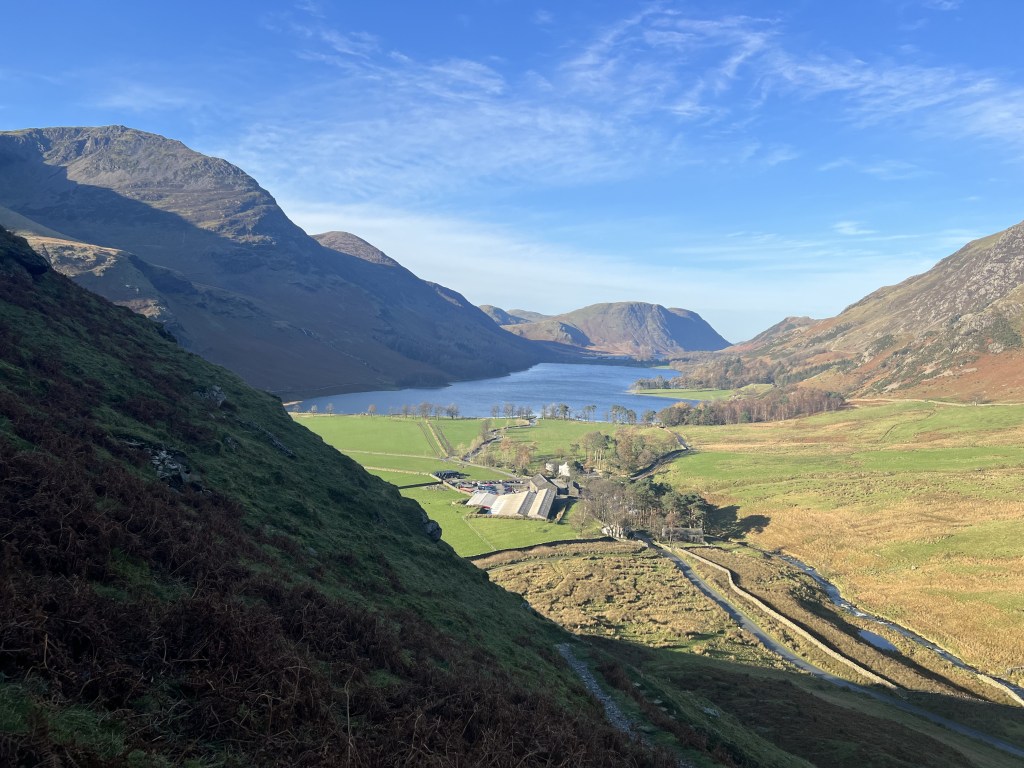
790	624
432	441
601	539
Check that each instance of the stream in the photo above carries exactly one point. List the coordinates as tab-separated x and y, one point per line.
833	592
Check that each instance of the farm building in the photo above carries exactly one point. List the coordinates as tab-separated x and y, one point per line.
532	504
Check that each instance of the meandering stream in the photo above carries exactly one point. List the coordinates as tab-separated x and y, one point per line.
834	595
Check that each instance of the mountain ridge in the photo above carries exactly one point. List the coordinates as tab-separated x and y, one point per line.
252	291
952	331
631	328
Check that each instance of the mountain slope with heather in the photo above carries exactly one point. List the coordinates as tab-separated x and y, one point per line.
633	328
953	331
196	243
188	575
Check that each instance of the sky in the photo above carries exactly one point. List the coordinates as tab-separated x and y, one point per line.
745	159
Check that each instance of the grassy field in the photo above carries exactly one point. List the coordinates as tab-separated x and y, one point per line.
552	438
472	535
462	432
687	394
913	508
627	592
403	452
373	433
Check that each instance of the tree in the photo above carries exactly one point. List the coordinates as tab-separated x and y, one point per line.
371	409
425	409
330	408
524	457
580	516
452	411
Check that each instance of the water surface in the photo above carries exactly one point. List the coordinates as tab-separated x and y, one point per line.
575	385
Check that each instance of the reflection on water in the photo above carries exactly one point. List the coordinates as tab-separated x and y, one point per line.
877	640
577	386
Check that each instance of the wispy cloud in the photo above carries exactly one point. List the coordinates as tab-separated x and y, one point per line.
851	228
543	18
657	89
143	97
886	170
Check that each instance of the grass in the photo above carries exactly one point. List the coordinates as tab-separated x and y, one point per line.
552	437
372	433
913	508
803	721
688	394
471	535
671	657
462	432
396	450
797	596
626	592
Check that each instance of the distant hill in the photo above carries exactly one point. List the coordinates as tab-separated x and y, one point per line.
194	242
512	316
188	577
954	331
634	329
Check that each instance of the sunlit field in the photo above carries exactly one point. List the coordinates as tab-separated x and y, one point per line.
913	508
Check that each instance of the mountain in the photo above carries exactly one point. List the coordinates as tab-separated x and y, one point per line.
512	316
955	330
188	577
197	244
634	329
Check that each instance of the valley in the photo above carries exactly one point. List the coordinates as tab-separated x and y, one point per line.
714	492
931	447
633	384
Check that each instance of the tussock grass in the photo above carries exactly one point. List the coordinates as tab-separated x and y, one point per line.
628	594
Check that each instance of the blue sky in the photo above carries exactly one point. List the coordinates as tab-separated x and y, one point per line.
746	160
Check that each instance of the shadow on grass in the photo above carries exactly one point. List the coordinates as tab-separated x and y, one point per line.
745	715
726	522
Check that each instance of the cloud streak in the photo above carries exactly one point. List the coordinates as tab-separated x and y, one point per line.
657	89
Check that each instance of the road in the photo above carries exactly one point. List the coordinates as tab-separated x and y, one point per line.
776	647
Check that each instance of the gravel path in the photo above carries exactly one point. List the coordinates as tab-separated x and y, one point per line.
612	711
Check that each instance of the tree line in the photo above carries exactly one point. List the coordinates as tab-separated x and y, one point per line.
644	505
774	405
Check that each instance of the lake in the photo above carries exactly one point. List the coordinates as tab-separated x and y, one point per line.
575	385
